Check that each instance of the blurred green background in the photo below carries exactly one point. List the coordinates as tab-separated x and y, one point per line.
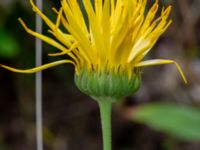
71	119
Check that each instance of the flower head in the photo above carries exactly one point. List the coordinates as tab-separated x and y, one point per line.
114	37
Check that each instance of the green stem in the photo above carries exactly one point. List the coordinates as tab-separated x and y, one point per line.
105	110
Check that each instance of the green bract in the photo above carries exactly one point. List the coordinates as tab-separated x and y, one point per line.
108	85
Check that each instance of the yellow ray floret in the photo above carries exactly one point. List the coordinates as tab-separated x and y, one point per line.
161	62
114	34
42	37
36	69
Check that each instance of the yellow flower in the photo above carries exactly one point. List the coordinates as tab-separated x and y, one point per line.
115	36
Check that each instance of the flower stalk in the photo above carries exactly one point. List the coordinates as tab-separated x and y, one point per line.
105	107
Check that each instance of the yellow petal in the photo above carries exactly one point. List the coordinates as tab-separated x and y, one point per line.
39	68
64	53
161	62
95	30
46	19
42	37
52	26
57	54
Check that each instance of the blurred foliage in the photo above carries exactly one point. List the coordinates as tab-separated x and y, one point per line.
182	122
9	47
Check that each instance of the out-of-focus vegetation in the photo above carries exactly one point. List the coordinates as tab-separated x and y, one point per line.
8	45
179	121
71	118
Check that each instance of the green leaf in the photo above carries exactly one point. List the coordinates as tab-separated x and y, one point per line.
183	122
9	47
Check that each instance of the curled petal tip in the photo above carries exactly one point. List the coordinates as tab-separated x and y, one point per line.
155	62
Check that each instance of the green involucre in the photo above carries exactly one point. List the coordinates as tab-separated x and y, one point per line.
108	85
